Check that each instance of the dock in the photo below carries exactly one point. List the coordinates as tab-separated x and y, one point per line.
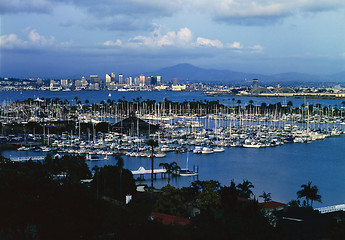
142	171
329	209
33	158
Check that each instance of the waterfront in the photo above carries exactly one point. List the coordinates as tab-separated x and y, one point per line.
178	96
279	170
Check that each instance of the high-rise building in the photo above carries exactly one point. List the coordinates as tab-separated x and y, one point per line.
136	81
95	79
107	80
148	81
120	79
142	80
83	82
153	80
175	82
159	78
64	82
78	83
113	77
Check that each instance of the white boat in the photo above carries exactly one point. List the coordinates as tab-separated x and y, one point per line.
197	149
91	157
186	172
160	154
206	150
250	143
218	149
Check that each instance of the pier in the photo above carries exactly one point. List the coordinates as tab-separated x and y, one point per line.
33	158
329	209
142	171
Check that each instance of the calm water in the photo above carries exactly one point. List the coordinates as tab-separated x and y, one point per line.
98	96
278	170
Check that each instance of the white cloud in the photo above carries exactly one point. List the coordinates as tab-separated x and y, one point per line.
118	42
235	45
38	39
208	43
34	41
181	38
185	35
11	41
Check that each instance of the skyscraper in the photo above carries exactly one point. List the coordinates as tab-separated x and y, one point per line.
107	79
113	77
120	79
142	80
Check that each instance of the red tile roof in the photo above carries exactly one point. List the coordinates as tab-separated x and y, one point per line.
272	204
170	219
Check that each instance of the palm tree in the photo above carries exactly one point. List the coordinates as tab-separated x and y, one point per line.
120	164
152	143
310	193
96	170
244	189
239	103
266	196
170	168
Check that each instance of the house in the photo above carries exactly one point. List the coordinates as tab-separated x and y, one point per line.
167	219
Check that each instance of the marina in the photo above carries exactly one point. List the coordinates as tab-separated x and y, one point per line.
221	143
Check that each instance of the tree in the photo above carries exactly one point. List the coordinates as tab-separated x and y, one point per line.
309	192
171	201
152	143
244	189
111	184
266	196
170	168
120	164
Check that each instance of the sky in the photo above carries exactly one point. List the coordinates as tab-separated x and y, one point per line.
71	38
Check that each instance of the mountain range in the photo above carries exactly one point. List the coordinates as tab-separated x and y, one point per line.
188	72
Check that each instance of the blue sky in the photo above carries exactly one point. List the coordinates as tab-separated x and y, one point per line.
61	38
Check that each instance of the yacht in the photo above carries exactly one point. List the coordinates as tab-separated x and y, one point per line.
206	150
218	149
197	149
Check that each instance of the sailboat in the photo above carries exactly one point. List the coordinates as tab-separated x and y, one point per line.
186	172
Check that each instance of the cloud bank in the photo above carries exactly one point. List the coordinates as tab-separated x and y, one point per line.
124	15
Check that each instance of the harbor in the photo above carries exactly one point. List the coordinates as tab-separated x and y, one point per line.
274	147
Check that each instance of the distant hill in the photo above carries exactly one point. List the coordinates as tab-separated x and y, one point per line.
188	72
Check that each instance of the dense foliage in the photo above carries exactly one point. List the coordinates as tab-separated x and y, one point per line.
46	200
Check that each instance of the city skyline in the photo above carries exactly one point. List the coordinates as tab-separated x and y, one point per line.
49	38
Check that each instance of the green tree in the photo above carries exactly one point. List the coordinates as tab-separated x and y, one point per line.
310	193
109	184
266	196
120	165
170	168
152	143
244	189
171	201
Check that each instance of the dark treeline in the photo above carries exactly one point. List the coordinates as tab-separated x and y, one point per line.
56	107
57	116
47	200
